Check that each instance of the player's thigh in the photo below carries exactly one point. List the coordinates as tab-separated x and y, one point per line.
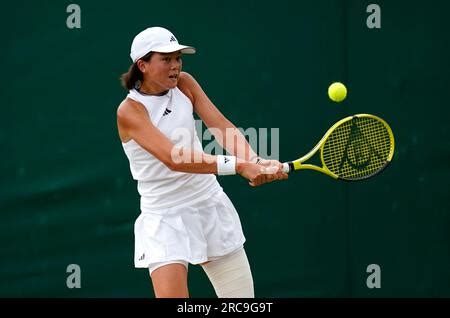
170	281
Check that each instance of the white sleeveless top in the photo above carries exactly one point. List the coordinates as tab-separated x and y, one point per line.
159	186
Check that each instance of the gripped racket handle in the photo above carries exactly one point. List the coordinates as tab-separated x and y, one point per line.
287	167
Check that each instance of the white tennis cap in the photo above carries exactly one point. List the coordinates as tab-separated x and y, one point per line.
156	39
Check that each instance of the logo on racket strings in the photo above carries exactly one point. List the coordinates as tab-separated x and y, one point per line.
358	151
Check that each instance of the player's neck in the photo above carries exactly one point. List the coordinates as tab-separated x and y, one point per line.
145	89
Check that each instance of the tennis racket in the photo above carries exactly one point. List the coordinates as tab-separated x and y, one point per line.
355	148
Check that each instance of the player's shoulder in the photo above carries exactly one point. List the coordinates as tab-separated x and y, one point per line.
186	80
129	106
186	84
185	77
126	105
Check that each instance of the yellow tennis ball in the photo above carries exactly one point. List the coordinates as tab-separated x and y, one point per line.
337	92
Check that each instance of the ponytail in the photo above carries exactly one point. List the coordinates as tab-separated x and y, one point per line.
134	74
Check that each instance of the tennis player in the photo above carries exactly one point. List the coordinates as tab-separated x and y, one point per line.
185	215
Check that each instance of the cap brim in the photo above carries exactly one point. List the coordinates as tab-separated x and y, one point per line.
175	47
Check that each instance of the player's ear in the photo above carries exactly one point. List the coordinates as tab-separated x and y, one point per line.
141	65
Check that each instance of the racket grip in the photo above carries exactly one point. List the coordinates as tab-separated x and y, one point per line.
286	167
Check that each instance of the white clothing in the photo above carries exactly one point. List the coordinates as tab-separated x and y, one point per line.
184	217
195	233
159	186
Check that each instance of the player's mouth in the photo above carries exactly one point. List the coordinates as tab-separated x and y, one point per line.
173	77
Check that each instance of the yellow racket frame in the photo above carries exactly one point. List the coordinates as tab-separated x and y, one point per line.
300	165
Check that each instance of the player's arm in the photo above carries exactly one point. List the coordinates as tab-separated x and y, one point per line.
225	133
134	123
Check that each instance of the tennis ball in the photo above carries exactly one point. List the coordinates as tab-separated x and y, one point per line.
337	92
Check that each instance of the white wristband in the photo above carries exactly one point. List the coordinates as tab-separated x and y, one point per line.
226	165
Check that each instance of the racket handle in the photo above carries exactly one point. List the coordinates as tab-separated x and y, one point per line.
286	167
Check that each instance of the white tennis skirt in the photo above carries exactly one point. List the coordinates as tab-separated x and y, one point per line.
194	232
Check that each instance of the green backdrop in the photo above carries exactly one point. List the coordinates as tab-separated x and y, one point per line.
67	196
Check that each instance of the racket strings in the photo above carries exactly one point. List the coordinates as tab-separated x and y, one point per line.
357	149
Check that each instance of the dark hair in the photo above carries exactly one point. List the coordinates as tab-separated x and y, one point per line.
134	74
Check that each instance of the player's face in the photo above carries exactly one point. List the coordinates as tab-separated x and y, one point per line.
163	69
